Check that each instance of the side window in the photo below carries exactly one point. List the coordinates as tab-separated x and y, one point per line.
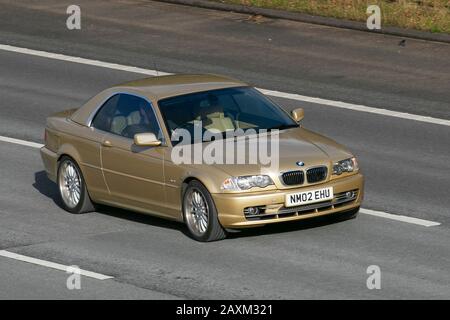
105	115
127	115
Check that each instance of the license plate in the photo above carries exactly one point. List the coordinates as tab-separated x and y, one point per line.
306	197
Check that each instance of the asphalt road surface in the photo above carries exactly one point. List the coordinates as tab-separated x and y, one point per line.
406	162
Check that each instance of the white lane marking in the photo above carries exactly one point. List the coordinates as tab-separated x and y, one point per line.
421	222
356	107
291	96
97	63
53	265
21	142
391	216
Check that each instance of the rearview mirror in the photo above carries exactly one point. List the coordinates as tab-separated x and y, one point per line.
146	139
298	114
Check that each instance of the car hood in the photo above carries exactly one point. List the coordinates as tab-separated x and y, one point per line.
297	144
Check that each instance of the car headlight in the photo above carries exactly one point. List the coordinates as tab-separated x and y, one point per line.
246	182
347	165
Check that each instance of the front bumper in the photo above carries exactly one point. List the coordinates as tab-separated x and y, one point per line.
231	207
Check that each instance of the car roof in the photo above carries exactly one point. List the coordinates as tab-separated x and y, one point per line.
156	88
173	85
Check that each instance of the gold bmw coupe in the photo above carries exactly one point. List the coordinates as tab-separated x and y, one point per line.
129	145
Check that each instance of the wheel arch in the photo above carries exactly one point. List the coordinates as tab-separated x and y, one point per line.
71	152
67	150
208	183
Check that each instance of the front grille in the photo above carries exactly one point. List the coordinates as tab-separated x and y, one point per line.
316	174
292	178
339	200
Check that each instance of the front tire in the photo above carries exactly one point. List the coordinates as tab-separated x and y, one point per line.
72	187
200	214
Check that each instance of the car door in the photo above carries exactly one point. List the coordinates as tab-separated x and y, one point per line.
88	144
134	174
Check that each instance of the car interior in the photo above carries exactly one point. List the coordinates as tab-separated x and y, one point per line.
214	112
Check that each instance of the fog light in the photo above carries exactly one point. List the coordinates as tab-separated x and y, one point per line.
349	194
251	211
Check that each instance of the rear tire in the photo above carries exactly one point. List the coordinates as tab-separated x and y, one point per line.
72	187
200	214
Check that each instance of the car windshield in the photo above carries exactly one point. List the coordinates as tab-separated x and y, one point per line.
224	110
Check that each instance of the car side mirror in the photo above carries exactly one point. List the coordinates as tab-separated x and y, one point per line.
146	139
298	114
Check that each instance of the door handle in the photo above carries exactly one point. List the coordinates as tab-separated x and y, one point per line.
106	143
